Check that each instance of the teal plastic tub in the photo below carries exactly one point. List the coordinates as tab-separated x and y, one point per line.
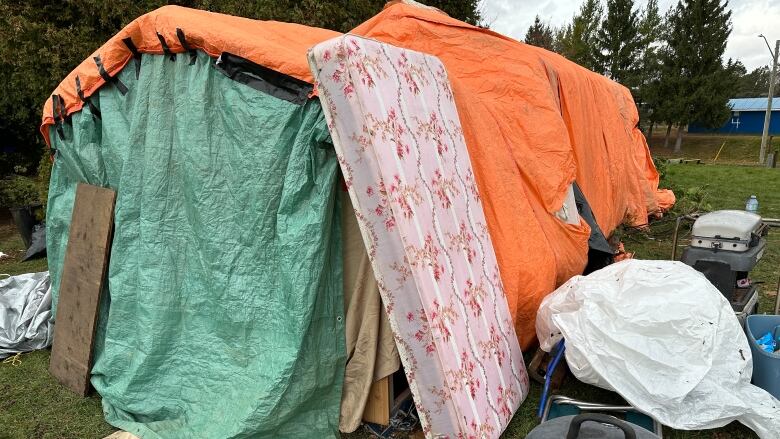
766	366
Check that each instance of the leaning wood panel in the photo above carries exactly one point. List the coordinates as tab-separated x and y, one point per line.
380	400
83	272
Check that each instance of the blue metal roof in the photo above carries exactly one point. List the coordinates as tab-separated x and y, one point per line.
753	104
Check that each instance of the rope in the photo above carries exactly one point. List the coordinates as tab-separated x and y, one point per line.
13	360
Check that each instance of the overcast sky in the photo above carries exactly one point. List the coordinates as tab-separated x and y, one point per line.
749	18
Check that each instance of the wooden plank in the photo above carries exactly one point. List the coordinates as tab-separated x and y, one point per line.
83	273
535	369
380	401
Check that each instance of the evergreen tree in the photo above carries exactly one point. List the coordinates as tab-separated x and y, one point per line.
650	31
754	84
695	84
540	34
619	42
559	38
577	41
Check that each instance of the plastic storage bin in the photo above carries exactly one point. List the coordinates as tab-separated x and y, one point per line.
766	366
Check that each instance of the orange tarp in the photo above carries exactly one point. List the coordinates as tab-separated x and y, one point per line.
276	45
533	122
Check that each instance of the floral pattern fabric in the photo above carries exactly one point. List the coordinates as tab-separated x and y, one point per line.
398	138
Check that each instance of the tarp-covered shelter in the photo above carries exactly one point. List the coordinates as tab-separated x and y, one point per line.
223	315
226	278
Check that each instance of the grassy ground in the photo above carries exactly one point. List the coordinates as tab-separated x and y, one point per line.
35	406
11	244
735	149
32	404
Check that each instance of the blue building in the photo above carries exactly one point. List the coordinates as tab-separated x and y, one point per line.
747	117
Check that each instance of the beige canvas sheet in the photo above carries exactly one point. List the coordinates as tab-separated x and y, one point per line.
371	351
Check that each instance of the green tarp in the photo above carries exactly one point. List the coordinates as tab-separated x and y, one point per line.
223	312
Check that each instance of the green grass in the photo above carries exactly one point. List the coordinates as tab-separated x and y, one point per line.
32	404
730	186
35	406
736	149
11	244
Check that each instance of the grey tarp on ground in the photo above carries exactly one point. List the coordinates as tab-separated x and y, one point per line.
25	313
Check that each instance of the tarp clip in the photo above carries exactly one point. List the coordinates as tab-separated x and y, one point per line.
187	47
136	55
92	107
57	115
108	78
165	48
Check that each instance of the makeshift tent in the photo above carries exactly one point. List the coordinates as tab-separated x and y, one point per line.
227	266
226	263
533	121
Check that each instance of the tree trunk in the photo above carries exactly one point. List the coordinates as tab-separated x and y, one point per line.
678	142
649	134
668	133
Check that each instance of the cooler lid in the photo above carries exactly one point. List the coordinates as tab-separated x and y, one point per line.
727	224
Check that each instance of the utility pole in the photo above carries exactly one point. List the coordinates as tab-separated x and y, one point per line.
768	115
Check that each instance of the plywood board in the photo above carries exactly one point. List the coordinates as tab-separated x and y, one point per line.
83	273
380	400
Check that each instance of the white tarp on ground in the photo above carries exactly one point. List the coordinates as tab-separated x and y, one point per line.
25	313
664	338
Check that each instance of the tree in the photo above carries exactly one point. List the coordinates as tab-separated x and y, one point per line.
695	83
754	84
577	40
42	41
650	31
540	34
618	43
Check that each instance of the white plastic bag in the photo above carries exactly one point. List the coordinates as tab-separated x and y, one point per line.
663	337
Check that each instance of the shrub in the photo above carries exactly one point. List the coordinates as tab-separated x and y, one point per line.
690	200
18	191
661	165
44	175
